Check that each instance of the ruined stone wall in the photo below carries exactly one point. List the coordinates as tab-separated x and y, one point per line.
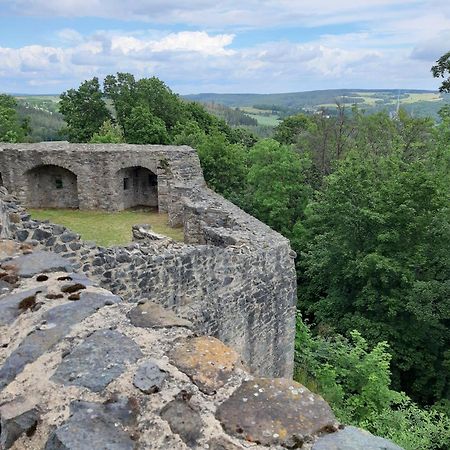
237	283
140	187
82	369
51	187
234	277
97	168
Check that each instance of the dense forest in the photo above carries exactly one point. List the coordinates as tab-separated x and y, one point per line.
364	200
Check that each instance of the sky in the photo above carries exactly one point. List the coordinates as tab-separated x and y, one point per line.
258	46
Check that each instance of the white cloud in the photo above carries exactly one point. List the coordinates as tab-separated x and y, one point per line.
207	13
197	61
391	43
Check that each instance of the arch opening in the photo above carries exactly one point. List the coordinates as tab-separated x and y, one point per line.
51	186
138	187
1	179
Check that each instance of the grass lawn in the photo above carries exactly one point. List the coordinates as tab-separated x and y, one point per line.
108	228
271	121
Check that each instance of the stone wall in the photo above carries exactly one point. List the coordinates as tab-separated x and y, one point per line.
51	187
82	369
237	283
98	169
234	277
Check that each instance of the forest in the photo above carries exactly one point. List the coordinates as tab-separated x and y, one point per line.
363	199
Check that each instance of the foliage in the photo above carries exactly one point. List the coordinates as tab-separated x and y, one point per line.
160	101
411	427
109	133
442	70
84	110
355	380
291	128
11	128
276	191
224	165
44	125
143	127
375	258
121	89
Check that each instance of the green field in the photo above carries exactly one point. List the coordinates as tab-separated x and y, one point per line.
421	103
105	228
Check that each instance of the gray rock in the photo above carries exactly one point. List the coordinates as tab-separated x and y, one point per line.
352	438
39	262
58	229
90	430
149	377
10	304
78	278
22	235
16	418
68	237
183	420
97	361
41	235
58	322
275	412
152	315
223	443
123	409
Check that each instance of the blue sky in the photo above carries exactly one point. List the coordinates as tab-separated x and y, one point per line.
47	46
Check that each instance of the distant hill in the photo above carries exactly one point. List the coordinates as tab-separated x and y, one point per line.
417	102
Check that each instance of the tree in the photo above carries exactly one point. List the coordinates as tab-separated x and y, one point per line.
160	101
376	259
355	379
143	127
291	128
11	128
224	164
84	111
442	70
122	90
109	133
276	191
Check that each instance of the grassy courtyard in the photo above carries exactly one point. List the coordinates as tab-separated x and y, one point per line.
107	228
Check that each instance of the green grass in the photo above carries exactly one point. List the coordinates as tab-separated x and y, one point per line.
428	97
108	228
271	121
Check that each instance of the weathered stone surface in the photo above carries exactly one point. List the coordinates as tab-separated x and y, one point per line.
72	287
275	412
206	360
97	361
88	429
10	304
235	277
352	438
122	409
144	232
183	420
58	322
223	443
152	315
16	418
8	248
40	262
77	278
149	378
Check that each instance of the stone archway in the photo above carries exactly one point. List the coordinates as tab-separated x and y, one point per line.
51	186
138	186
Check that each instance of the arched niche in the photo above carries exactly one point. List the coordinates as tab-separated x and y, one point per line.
137	186
51	186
